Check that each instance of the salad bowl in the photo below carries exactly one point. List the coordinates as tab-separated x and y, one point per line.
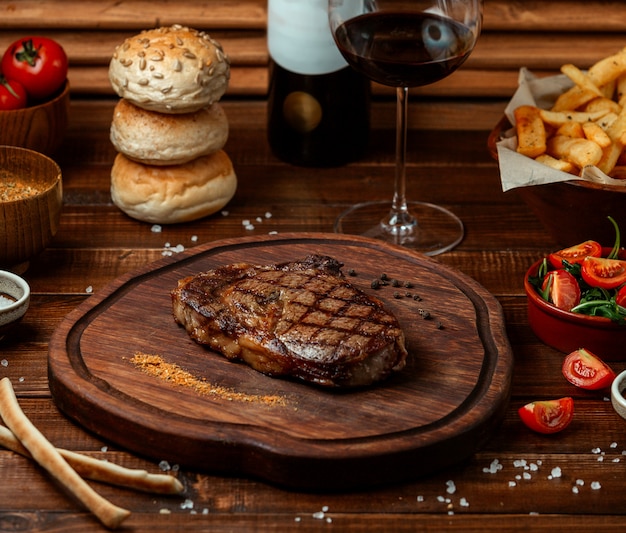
567	331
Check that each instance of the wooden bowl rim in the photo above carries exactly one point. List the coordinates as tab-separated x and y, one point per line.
32	108
47	185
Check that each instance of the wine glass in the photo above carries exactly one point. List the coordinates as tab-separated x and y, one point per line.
405	43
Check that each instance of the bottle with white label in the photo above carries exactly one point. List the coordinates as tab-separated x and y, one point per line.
318	107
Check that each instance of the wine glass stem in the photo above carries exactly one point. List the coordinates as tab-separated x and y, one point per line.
400	218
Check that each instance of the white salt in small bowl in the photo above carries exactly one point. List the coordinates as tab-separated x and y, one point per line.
618	388
14	300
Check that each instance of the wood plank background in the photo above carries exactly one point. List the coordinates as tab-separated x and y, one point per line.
533	33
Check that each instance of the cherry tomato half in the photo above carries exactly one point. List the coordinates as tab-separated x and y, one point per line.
620	297
587	371
603	273
575	254
12	94
548	416
38	63
563	289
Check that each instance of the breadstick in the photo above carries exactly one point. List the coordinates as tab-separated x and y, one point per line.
51	460
104	471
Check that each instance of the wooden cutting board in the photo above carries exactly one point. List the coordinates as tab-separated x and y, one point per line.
436	412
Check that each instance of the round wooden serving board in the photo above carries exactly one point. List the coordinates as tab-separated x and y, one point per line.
436	412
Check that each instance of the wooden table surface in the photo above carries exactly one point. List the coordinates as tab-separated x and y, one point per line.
518	481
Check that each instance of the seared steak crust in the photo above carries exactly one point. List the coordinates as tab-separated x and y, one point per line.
300	319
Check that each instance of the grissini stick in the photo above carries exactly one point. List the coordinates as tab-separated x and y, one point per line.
51	460
104	471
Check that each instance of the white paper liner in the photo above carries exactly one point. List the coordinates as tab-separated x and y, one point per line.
517	170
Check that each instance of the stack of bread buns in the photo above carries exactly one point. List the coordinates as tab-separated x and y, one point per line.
169	128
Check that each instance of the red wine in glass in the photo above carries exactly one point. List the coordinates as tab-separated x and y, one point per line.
404	44
404	49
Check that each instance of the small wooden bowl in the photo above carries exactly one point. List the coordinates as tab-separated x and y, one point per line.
30	218
567	331
571	211
39	127
14	300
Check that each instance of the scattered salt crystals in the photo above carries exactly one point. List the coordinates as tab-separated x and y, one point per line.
518	477
450	487
616	460
187	504
575	489
441	499
595	485
526	475
533	467
600	458
519	463
259	219
325	509
463	502
420	498
274	232
268	214
247	224
194	238
596	450
169	250
613	445
164	511
555	473
329	520
165	466
512	484
494	467
319	515
4	362
225	213
104	448
89	289
205	511
21	379
156	228
297	519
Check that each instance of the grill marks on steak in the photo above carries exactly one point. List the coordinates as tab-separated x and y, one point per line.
300	319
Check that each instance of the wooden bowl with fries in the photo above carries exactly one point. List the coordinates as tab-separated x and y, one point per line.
571	211
584	128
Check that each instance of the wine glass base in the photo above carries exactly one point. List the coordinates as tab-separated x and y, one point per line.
430	230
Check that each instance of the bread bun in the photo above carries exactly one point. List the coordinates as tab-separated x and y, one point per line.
160	139
175	193
170	69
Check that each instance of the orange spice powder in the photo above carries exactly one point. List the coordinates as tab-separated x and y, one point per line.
156	366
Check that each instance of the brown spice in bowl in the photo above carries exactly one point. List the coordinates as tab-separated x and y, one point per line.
13	188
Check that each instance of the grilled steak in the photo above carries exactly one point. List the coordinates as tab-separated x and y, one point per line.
300	319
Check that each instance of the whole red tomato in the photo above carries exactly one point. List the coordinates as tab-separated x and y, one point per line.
38	63
12	94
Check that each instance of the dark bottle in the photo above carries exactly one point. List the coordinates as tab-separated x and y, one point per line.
318	107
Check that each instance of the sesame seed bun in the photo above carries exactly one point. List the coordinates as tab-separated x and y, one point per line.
163	139
174	193
170	69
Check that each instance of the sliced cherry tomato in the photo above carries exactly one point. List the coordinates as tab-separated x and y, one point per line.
603	273
12	94
575	254
587	371
620	297
38	63
562	288
548	416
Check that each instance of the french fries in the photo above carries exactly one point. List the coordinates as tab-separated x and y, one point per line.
586	126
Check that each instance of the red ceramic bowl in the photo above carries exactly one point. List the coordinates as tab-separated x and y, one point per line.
567	331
